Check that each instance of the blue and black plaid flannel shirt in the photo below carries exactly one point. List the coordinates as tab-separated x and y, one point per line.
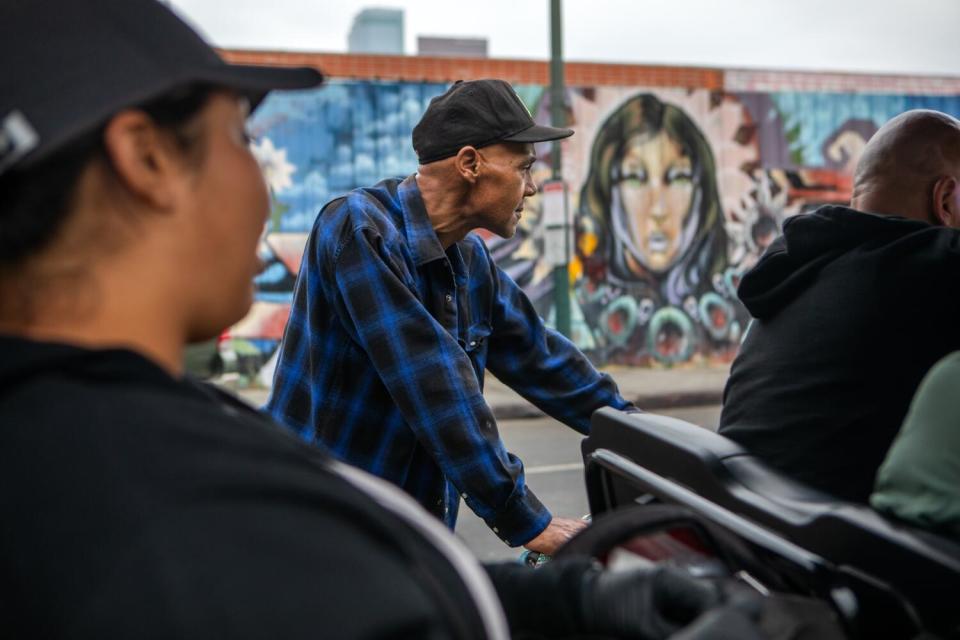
384	355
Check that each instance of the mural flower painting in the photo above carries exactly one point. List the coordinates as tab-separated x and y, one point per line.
758	218
277	170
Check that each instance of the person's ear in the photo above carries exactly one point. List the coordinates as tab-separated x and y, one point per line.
143	159
468	164
946	201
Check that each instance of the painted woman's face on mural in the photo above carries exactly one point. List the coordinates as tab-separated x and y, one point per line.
656	189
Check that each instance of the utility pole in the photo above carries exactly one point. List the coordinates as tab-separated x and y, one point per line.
558	117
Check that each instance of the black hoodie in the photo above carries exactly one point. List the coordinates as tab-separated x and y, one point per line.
135	505
850	311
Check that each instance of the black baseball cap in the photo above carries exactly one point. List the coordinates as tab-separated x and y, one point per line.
476	113
68	65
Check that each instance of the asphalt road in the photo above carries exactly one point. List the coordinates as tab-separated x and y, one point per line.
551	456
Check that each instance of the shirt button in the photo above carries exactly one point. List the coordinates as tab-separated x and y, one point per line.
473	343
448	298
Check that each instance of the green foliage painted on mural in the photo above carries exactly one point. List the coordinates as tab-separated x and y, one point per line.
277	209
797	152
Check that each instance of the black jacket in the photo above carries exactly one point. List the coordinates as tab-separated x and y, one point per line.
135	505
850	311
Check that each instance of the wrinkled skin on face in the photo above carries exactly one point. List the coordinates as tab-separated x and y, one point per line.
506	181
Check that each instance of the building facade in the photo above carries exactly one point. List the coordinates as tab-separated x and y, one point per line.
377	31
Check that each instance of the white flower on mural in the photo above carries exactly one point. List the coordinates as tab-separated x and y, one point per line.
758	217
277	170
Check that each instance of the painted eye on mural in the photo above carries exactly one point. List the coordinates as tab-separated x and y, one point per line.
681	175
635	177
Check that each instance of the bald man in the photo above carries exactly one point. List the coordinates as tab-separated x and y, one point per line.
851	307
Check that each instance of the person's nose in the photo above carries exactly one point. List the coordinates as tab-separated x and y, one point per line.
658	205
530	187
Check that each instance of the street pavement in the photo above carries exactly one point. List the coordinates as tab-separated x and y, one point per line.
550	452
651	389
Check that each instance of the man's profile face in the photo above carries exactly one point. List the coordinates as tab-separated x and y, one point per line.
505	182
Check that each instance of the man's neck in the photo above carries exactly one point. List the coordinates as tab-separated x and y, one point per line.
445	210
870	199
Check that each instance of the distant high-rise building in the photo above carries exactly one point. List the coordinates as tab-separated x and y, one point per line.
377	31
452	47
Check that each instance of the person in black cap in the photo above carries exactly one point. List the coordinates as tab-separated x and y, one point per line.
136	503
399	310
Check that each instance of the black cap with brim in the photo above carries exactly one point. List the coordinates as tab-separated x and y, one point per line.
539	133
476	113
256	82
71	64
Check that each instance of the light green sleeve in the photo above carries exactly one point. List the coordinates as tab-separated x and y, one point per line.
919	481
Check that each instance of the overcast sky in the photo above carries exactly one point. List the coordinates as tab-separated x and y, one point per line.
906	36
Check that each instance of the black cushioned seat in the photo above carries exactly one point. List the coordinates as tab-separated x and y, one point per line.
921	569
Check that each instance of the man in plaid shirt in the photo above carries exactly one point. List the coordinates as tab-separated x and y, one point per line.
399	310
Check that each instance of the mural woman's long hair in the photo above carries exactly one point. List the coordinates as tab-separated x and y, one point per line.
702	251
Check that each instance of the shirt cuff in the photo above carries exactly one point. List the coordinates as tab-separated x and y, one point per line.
521	520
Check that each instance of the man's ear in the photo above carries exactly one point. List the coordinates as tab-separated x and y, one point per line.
946	201
467	163
142	158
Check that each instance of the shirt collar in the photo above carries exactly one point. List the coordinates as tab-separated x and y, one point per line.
421	238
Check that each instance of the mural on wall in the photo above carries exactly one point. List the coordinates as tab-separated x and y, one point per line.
651	238
673	194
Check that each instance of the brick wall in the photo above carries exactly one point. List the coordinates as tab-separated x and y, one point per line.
426	69
581	74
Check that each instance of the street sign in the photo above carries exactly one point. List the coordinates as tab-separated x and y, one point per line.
556	223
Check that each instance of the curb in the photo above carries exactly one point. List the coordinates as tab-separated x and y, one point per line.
647	402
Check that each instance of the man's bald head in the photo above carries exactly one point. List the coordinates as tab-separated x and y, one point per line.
911	168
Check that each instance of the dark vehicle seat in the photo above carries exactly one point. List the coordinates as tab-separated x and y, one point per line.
633	458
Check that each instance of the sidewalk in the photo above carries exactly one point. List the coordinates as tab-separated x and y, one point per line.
649	389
